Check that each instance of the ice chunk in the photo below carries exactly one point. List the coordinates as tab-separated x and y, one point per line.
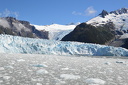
21	60
1	68
42	71
39	84
64	68
107	63
40	65
120	62
11	67
95	81
70	76
6	77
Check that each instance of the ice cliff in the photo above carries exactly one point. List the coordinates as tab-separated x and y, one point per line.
15	44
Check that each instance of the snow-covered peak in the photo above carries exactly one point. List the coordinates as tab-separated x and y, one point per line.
120	11
118	17
56	31
54	27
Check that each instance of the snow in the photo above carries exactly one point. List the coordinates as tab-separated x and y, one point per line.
62	70
15	44
56	31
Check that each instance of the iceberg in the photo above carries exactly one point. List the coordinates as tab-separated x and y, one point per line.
16	44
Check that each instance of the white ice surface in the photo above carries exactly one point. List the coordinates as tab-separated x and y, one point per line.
15	44
81	70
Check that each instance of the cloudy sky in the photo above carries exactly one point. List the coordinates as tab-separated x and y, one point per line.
45	12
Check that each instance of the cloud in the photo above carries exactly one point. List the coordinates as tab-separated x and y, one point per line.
7	13
90	11
76	13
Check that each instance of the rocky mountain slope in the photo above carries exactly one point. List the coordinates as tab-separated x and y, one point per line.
90	34
12	26
116	21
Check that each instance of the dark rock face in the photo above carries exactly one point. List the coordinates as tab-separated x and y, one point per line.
125	45
22	28
89	34
117	12
104	13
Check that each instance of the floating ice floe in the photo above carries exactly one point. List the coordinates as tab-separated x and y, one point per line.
42	71
40	65
69	76
96	81
120	62
20	60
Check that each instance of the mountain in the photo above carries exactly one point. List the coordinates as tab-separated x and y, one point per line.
118	17
15	44
115	21
12	26
90	34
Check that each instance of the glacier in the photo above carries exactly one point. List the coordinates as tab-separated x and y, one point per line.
56	31
16	44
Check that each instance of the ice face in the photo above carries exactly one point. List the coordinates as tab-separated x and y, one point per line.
15	44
